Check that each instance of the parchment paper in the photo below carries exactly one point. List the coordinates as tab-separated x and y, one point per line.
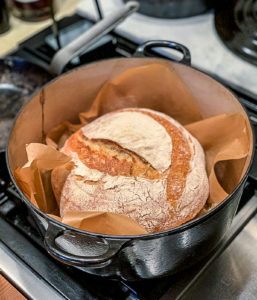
224	139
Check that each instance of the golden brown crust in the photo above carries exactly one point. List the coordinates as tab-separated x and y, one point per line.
108	157
180	162
180	158
121	175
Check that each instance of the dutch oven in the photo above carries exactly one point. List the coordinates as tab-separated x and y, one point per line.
129	257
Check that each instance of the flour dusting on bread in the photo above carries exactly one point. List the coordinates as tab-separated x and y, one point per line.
136	162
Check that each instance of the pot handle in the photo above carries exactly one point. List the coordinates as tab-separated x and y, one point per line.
63	56
141	51
54	231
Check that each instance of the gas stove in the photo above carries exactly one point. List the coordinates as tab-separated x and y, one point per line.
229	272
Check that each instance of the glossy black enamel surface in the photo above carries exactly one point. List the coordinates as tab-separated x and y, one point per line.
236	24
175	8
141	51
146	257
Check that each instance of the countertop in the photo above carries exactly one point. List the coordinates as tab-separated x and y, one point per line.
8	291
21	30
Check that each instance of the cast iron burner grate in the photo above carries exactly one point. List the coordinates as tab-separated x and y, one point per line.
236	24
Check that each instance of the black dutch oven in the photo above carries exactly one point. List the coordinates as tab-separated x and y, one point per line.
129	257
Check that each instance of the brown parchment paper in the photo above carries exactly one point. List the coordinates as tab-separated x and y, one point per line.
224	139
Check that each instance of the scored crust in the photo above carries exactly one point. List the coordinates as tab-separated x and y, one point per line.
118	168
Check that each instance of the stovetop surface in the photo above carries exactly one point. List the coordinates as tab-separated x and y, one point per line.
26	263
198	33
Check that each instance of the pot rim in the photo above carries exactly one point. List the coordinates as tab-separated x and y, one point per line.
174	230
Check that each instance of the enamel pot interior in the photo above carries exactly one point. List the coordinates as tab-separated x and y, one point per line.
75	91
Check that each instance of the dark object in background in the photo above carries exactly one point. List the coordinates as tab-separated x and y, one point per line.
99	10
236	24
32	10
4	17
18	80
175	8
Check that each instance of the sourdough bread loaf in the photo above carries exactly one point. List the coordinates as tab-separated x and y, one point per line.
136	162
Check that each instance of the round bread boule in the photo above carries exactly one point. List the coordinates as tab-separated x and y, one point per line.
136	162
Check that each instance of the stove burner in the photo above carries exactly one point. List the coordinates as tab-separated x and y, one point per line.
18	80
236	24
9	99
